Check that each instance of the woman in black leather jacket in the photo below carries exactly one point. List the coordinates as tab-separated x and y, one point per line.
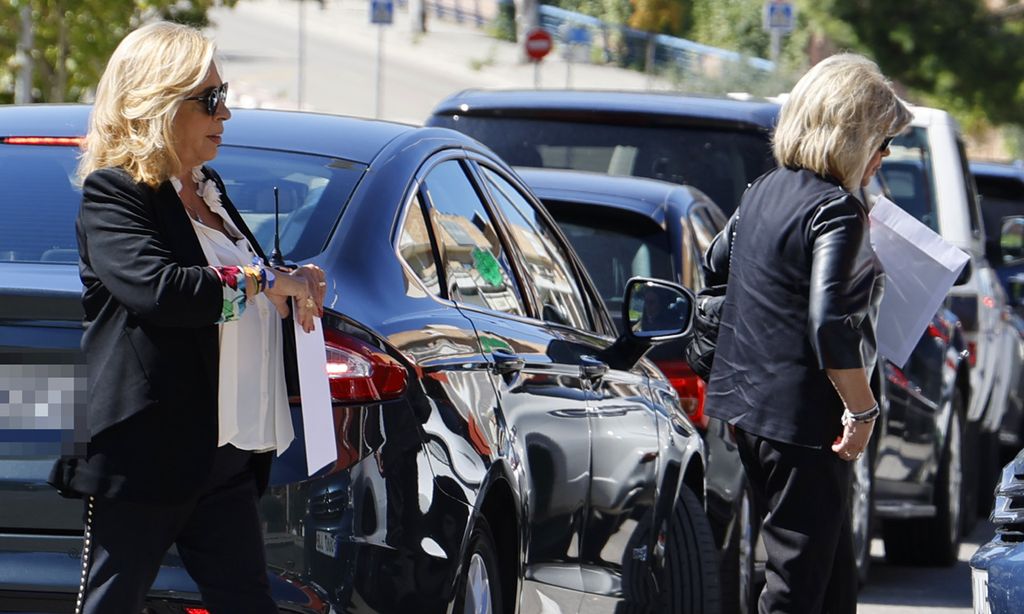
796	343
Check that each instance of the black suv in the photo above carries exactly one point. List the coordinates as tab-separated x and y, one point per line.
912	478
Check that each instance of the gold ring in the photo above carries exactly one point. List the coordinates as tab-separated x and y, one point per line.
323	283
310	303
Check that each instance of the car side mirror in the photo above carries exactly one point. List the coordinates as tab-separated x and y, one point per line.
1011	240
653	311
657	310
965	275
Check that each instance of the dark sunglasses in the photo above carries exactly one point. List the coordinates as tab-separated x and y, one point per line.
885	143
212	98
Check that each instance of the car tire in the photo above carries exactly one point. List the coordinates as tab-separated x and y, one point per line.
862	503
691	560
738	579
935	541
479	588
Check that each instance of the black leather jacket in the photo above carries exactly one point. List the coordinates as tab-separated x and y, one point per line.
803	290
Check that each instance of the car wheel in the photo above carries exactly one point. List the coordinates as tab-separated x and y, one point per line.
691	560
738	580
479	590
936	540
862	493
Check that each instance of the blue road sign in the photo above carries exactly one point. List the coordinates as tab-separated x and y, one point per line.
779	15
382	11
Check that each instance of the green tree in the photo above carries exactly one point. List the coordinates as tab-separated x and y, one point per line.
660	16
74	38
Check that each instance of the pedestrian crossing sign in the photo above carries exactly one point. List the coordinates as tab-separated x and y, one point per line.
382	11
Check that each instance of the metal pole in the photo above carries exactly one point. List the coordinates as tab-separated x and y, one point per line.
302	52
378	90
23	82
536	74
776	42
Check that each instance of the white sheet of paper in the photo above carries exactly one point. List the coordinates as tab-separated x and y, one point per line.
920	268
317	417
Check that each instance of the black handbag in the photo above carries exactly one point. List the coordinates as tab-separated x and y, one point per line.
699	351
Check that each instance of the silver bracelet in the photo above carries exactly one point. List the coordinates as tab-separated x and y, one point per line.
867	415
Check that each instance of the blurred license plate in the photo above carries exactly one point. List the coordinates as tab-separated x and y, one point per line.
325	544
979	589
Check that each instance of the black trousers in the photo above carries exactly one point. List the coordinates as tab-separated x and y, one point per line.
803	494
217	534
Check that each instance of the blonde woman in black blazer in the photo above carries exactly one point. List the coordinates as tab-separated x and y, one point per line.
155	472
796	343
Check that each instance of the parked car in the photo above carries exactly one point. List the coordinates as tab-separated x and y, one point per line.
997	568
626	226
911	480
500	446
927	173
1001	188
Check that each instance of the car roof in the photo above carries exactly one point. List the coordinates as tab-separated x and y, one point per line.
662	107
350	138
649	197
996	169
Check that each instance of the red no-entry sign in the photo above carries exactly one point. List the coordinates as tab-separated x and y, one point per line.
538	44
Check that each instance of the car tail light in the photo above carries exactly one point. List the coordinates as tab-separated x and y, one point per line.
59	141
972	352
359	372
933	331
691	389
196	611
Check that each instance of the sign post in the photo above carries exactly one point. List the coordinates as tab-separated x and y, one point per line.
382	13
576	47
779	18
537	44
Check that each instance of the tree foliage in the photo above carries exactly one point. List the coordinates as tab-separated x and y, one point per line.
72	39
660	16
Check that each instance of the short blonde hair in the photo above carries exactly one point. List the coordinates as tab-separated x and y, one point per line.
148	75
836	117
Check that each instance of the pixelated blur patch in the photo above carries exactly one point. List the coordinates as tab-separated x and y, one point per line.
42	409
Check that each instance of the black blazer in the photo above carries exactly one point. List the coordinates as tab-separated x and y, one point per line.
150	343
803	288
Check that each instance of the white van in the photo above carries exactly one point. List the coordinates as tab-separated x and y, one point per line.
928	175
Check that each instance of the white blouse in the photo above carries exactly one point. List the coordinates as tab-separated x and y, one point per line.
253	411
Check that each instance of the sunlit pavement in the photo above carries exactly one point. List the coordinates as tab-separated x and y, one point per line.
931	590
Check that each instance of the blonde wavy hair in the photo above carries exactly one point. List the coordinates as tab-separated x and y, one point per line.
147	76
836	117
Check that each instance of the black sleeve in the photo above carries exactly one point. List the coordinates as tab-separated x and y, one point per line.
836	305
716	258
125	250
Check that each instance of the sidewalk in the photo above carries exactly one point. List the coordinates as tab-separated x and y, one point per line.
258	39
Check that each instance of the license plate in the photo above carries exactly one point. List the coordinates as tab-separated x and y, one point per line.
325	544
979	589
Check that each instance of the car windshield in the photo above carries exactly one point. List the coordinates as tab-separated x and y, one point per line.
41	199
908	174
720	162
614	246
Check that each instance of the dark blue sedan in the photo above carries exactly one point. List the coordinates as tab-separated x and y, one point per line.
500	446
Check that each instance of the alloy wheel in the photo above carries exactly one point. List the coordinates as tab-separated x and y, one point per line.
478	587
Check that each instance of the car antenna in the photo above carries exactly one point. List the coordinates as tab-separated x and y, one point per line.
275	256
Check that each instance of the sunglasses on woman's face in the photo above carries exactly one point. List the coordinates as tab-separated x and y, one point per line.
212	98
885	142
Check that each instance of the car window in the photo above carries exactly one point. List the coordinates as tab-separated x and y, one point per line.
547	262
705	226
41	199
39	204
908	173
415	247
1000	197
719	161
476	267
614	245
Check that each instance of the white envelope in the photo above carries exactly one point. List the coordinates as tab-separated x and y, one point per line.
920	268
317	415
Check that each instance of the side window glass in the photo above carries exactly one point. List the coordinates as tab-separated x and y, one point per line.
547	261
476	267
415	248
704	227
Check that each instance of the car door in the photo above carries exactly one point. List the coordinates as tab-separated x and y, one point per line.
624	434
540	395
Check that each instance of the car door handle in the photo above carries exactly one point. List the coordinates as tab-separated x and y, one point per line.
591	368
506	362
